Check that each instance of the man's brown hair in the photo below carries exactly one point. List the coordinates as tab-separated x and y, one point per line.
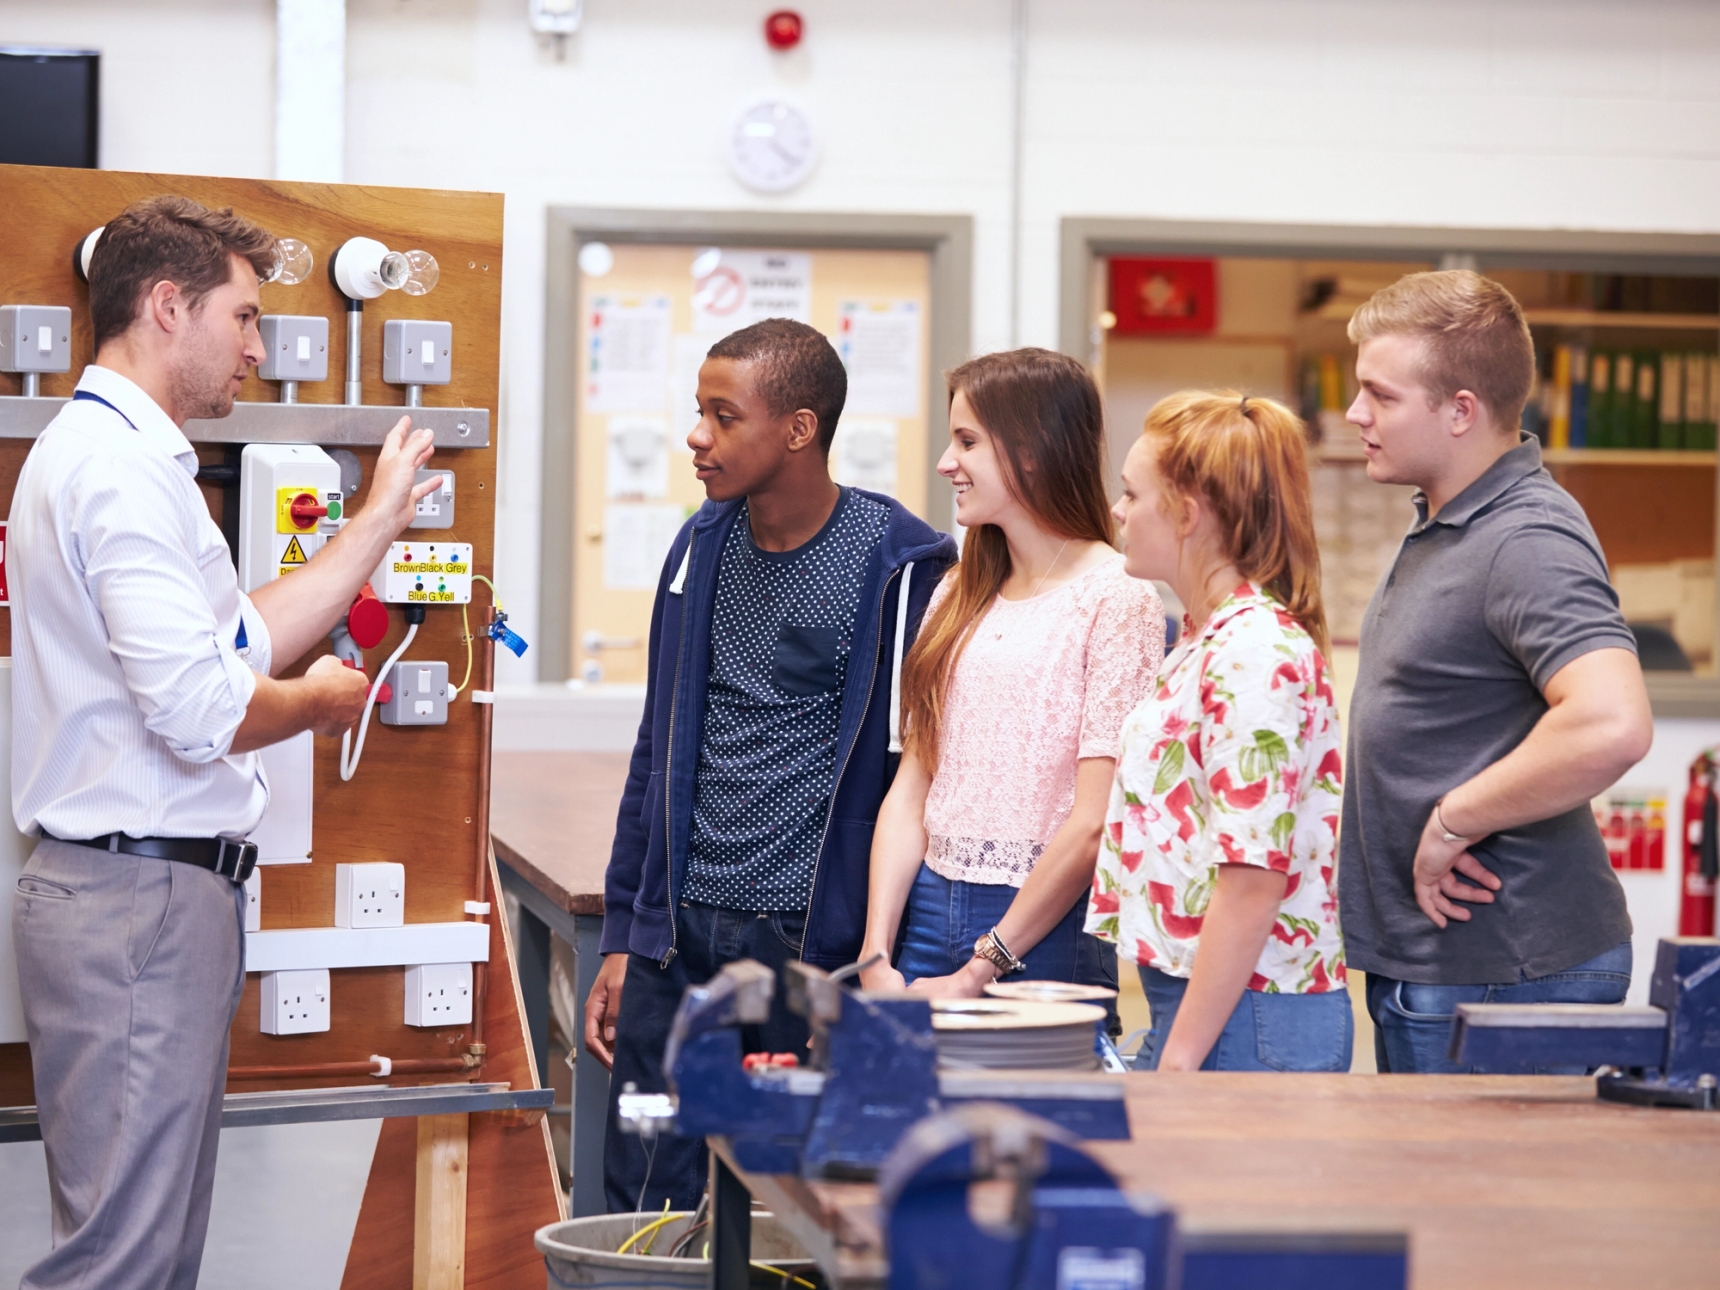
1474	337
168	239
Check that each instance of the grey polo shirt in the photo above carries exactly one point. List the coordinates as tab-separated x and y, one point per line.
1483	604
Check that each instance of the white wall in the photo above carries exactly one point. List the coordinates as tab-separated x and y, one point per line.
1515	113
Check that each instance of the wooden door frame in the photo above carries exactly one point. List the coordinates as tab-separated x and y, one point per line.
948	239
1083	240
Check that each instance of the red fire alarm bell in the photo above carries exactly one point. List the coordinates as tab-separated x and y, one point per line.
783	29
1163	295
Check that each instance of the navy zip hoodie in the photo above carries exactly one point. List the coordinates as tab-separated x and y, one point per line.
648	862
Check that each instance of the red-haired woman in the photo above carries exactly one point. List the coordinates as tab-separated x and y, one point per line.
1216	874
1034	648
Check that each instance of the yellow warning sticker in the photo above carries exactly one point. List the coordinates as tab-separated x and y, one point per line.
294	554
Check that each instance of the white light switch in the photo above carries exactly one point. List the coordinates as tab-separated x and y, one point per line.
427	353
304	352
44	340
424	680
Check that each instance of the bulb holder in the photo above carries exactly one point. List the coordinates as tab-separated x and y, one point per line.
81	253
364	268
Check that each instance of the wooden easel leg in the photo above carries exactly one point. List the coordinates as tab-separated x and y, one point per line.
439	1245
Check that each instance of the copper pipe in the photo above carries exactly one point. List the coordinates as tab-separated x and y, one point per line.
481	868
326	1070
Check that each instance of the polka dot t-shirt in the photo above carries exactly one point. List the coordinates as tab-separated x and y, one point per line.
780	637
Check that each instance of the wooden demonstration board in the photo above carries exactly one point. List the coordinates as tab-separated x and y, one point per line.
418	797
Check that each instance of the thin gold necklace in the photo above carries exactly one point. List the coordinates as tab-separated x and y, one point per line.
1046	574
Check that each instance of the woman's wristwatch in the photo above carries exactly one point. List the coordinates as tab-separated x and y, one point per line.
991	948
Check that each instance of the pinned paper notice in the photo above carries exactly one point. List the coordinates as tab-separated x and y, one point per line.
684	388
879	341
638	459
737	288
864	454
628	357
635	543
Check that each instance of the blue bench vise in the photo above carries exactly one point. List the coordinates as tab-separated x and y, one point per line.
1667	1054
874	1073
1052	1217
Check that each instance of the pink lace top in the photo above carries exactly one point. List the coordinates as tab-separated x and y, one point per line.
1042	683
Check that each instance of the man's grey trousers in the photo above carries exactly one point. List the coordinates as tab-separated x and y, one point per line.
131	970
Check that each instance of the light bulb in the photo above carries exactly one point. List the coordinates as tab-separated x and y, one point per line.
293	262
422	273
393	270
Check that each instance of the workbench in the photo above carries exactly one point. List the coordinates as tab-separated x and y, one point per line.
1515	1182
552	819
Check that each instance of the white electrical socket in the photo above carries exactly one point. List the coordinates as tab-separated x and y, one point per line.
370	895
295	1003
439	994
254	901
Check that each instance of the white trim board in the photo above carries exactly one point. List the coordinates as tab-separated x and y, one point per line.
293	949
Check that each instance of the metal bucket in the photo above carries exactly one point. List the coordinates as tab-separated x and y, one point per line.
581	1252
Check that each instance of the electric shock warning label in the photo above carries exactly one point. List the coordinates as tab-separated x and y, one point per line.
425	573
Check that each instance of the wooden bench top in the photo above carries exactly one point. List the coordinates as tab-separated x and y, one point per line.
1510	1182
552	819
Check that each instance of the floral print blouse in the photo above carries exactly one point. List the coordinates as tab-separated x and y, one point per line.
1233	759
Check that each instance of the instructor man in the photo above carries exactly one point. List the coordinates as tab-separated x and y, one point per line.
143	684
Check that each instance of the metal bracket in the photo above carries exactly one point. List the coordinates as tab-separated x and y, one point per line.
318	423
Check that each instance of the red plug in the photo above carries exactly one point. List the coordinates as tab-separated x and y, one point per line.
367	620
384	694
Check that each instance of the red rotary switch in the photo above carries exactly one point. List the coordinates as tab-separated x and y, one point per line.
367	620
306	510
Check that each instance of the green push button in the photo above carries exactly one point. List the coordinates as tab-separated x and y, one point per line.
334	510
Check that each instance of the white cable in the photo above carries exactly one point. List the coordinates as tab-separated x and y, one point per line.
348	769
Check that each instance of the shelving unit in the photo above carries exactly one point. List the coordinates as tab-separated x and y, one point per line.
1628	457
1605	319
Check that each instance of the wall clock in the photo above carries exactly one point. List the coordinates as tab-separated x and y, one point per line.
772	147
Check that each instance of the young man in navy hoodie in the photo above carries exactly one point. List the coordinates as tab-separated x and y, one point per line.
768	740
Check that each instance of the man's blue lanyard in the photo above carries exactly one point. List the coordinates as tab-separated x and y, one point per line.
240	641
96	398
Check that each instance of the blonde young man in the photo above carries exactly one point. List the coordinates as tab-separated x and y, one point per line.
1498	692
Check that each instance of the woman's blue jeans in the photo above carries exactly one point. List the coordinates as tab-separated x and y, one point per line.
1266	1032
945	917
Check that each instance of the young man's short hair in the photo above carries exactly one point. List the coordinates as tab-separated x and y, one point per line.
169	239
1474	333
797	368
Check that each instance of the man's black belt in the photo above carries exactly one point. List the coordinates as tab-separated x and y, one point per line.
234	860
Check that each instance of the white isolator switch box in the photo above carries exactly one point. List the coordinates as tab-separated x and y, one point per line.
295	1003
370	895
283	835
254	901
439	994
290	503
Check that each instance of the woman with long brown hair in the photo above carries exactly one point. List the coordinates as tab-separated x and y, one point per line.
1220	842
1034	648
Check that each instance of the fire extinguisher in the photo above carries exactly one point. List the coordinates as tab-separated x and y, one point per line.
1701	850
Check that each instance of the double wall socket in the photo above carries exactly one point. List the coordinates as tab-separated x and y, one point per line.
420	695
35	338
439	994
295	347
296	1002
370	895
